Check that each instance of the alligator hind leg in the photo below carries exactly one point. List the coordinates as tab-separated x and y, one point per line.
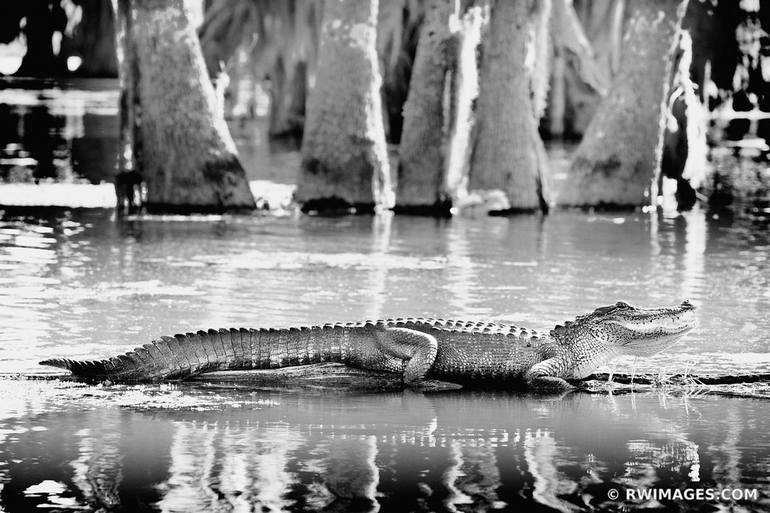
417	347
541	378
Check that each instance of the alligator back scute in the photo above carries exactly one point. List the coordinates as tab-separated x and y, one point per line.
195	351
189	354
179	354
227	346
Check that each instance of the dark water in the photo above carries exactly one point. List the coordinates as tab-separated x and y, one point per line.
79	283
271	451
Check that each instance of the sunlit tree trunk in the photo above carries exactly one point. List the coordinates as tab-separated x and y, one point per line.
620	153
685	148
344	157
543	55
463	92
508	154
186	155
423	141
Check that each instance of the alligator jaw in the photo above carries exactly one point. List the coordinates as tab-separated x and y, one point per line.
644	332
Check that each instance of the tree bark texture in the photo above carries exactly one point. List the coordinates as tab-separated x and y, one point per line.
602	22
128	194
423	142
617	160
344	156
288	93
464	90
508	153
398	29
542	57
577	82
188	159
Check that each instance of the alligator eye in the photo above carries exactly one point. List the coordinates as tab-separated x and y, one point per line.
622	304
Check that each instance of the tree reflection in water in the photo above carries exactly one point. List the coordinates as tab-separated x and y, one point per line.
440	452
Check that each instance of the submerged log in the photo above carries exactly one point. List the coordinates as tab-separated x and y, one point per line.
320	375
756	386
680	379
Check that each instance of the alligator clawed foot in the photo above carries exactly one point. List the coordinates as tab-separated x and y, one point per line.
549	385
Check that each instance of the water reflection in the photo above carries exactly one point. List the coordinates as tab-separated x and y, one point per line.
442	452
60	134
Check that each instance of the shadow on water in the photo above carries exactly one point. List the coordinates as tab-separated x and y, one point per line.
307	452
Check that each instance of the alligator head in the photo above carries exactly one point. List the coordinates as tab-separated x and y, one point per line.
590	340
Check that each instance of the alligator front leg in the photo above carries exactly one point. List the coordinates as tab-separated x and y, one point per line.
416	347
541	378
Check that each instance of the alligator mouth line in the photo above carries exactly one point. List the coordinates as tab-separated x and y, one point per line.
657	331
653	343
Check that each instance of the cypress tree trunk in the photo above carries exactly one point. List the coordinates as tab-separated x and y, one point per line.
464	90
602	21
187	159
617	160
578	83
288	91
398	30
508	152
423	141
543	56
128	179
344	157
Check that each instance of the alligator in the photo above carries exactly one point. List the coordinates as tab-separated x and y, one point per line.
464	352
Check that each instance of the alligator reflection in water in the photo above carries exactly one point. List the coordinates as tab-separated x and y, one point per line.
441	452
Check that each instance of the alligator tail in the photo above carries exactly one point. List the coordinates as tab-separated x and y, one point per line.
189	354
